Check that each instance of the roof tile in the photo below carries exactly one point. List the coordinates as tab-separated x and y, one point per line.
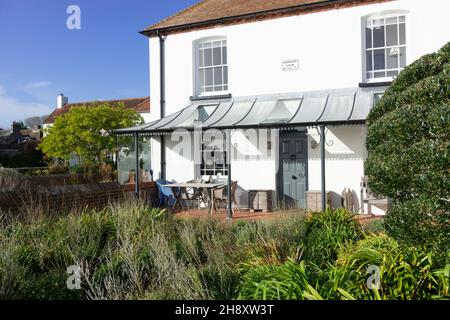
140	105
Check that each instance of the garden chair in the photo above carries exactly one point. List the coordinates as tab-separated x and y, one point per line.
367	197
193	194
220	196
165	193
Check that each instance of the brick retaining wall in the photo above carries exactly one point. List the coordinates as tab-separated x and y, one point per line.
58	200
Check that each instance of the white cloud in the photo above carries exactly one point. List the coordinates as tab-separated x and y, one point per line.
12	109
37	85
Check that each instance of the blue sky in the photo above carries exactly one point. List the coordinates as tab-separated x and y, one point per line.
106	59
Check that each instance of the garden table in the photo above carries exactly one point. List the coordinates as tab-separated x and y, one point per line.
206	188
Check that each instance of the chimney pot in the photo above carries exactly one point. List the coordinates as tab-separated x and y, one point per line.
61	101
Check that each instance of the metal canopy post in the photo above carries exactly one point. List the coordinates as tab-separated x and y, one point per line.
136	180
322	166
229	205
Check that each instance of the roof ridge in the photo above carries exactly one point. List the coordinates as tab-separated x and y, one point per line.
176	13
103	101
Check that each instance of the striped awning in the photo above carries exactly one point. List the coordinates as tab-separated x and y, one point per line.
302	109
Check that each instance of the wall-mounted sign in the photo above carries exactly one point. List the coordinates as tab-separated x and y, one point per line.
290	65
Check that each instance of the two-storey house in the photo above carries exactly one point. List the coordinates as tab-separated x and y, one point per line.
292	81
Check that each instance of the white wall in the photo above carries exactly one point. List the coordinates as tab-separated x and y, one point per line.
344	166
146	116
327	44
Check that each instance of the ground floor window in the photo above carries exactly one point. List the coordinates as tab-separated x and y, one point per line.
126	160
213	155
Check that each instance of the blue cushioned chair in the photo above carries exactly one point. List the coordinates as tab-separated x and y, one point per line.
165	192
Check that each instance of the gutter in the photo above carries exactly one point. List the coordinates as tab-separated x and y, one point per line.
188	26
162	96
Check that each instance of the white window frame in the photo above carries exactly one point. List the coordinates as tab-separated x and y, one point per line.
197	90
383	15
206	148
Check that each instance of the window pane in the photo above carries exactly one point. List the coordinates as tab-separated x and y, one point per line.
378	22
392	73
200	58
208	89
402	57
379	59
391	35
225	88
217	56
378	37
369	66
379	74
225	75
401	19
368	38
224	55
369	75
218	76
402	34
392	20
209	77
392	57
201	78
208	57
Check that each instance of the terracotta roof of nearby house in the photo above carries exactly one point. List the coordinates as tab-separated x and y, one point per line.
140	105
218	12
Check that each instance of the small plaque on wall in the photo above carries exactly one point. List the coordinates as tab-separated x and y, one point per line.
290	65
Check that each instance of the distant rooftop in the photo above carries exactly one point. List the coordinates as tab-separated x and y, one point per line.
141	105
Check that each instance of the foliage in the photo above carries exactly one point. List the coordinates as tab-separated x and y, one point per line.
10	179
408	143
327	232
85	131
131	251
33	122
404	273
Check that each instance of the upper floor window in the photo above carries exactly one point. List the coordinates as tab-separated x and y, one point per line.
211	66
385	46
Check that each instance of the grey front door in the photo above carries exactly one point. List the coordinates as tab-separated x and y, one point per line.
292	172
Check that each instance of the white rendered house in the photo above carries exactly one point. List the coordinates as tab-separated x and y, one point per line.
274	75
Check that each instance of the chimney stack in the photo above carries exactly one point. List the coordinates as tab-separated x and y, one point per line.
16	126
61	101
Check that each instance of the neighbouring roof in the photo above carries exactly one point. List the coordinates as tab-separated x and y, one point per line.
141	105
215	12
286	110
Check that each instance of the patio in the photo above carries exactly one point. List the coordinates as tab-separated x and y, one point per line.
225	132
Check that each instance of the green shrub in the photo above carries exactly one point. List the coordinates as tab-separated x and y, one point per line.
408	145
275	282
10	179
423	221
327	232
404	273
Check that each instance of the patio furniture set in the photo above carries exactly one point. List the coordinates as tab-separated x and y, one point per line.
181	195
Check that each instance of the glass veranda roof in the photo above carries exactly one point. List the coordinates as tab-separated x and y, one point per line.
329	107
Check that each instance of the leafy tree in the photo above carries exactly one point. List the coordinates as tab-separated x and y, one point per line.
86	132
32	122
408	143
